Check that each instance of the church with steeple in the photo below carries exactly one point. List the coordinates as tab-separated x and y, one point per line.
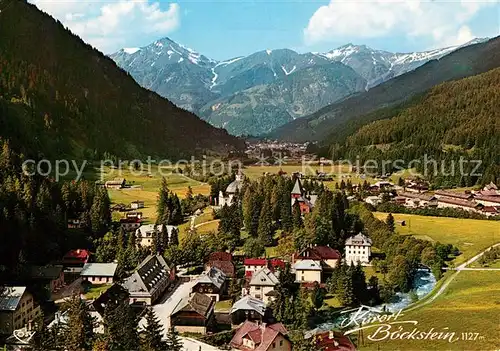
236	185
306	202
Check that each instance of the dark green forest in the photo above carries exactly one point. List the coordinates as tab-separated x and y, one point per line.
61	97
453	120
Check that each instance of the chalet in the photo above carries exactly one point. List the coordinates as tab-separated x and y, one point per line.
149	280
117	183
222	261
232	189
130	224
135	205
380	186
490	211
74	260
134	215
261	337
439	194
298	195
307	271
249	308
193	314
119	207
488	200
415	200
254	264
99	273
332	341
17	308
324	256
358	249
75	223
51	276
144	234
448	202
212	283
262	284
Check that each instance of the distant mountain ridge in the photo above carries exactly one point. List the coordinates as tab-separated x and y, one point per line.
333	123
225	92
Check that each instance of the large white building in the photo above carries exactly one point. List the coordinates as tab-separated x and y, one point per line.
231	190
358	248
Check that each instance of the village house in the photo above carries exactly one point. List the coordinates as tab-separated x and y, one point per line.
254	264
439	194
232	189
324	256
222	261
17	308
358	249
308	271
117	183
99	273
193	314
73	262
144	234
137	204
261	337
466	205
134	215
51	276
373	200
212	283
488	200
262	284
130	224
332	341
415	200
381	186
149	280
298	195
248	308
119	207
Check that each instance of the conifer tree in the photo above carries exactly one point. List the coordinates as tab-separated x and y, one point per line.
163	196
173	341
265	227
151	337
297	216
78	333
390	222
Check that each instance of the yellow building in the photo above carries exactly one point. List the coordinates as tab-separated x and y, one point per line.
17	308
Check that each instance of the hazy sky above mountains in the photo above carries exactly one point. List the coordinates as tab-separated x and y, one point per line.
223	29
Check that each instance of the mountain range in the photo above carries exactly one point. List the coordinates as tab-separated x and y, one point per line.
257	93
64	98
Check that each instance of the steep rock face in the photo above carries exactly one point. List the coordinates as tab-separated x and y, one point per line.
234	92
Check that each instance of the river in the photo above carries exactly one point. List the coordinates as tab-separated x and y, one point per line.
423	283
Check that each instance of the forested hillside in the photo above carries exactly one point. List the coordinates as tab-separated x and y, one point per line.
460	118
337	121
59	96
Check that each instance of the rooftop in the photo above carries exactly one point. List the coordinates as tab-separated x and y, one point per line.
359	240
99	269
307	265
10	297
249	303
199	303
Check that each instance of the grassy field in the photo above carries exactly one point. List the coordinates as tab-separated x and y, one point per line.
470	304
145	187
471	236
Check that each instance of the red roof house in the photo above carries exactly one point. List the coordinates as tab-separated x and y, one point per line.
261	337
220	256
254	264
333	341
77	257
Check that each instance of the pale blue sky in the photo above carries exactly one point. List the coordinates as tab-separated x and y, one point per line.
225	29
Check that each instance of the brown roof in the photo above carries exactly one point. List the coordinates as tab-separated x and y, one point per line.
320	253
225	266
488	198
263	335
458	202
199	303
220	256
416	196
452	194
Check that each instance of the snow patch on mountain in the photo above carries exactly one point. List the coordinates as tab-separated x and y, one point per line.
131	51
291	71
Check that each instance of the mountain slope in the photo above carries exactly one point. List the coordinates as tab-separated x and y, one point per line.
66	98
341	119
454	119
209	88
261	108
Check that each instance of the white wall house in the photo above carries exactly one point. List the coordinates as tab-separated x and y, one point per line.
358	248
231	191
262	284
